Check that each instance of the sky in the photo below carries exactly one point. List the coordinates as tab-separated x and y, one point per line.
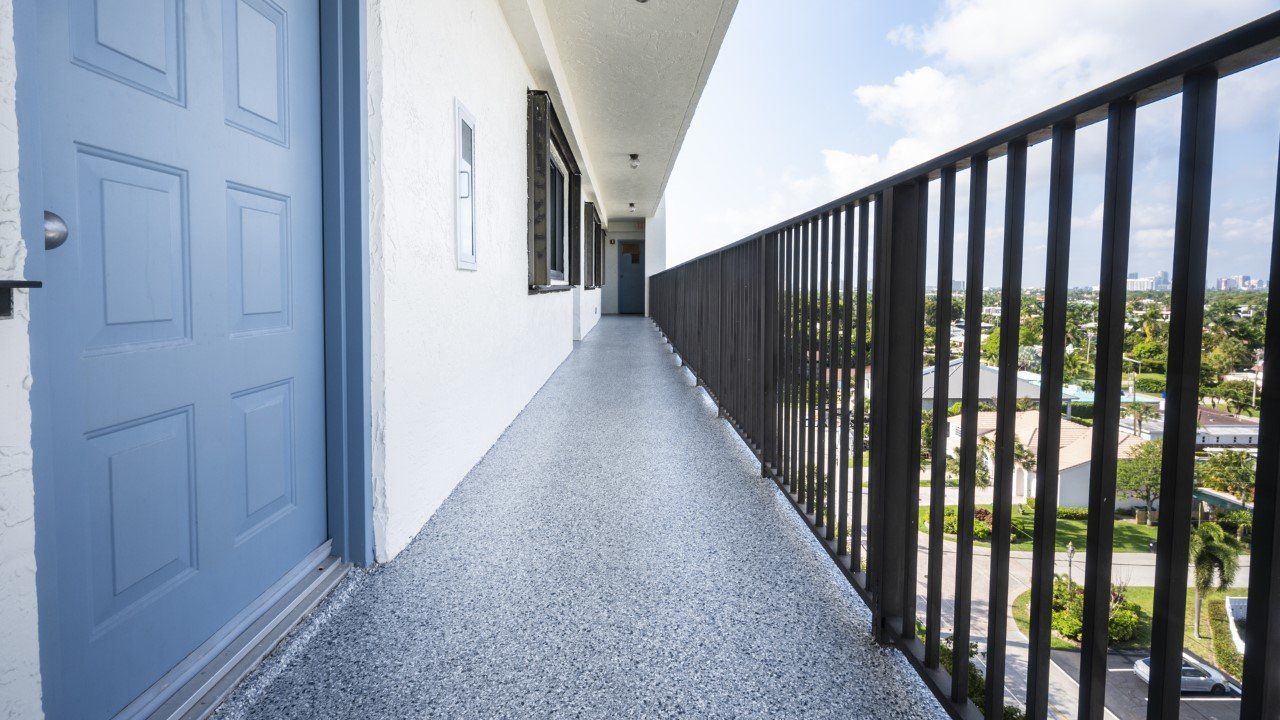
812	99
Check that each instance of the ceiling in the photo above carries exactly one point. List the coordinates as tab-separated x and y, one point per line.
635	71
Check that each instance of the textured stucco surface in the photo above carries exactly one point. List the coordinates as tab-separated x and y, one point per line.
586	311
616	554
637	71
19	649
655	247
456	354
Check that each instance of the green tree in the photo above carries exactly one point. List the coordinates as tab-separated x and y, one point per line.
1215	554
991	348
1237	394
926	435
1140	412
1232	472
982	473
1138	475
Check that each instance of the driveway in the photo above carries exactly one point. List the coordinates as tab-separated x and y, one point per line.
1127	693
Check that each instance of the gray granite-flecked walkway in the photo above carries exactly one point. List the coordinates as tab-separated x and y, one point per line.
615	554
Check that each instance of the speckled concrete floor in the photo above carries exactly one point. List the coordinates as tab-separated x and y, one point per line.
616	554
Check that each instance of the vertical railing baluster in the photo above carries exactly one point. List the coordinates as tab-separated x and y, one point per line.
1006	407
1262	630
1182	392
1061	182
810	368
910	515
806	389
941	392
969	429
829	373
846	380
796	388
879	392
796	351
819	363
859	387
1116	201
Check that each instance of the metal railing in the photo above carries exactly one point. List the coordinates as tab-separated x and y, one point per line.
776	328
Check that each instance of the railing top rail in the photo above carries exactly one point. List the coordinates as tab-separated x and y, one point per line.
1240	49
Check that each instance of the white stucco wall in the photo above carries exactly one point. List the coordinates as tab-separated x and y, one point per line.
586	311
655	247
19	650
456	354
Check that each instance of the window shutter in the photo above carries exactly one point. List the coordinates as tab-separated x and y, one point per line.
538	148
544	133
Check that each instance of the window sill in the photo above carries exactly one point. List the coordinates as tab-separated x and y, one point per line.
545	289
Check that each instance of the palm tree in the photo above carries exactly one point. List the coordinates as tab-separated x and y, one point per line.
1214	552
1140	412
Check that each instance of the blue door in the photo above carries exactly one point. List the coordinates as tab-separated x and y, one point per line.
630	278
180	141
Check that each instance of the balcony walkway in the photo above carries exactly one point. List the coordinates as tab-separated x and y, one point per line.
616	554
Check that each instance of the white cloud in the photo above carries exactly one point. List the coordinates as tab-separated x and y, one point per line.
984	64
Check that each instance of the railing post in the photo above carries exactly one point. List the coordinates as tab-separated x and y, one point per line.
1186	323
897	340
1262	630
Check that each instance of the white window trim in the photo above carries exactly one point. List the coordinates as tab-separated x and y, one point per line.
468	249
564	240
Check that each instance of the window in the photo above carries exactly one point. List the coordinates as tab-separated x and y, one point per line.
555	205
557	216
465	186
593	250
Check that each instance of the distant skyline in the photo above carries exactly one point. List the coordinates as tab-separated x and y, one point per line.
812	99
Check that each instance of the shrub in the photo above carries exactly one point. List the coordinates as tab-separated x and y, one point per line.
1123	624
981	523
1224	650
1238	523
1073	513
1031	504
1068	613
1153	383
1080	411
1069	621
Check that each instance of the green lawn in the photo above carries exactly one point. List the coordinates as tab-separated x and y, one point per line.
1215	646
1129	536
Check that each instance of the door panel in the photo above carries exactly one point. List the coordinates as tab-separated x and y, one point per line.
180	140
631	278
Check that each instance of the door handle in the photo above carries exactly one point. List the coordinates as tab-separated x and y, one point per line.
55	231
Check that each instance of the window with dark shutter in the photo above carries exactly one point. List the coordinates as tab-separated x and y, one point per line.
555	204
592	250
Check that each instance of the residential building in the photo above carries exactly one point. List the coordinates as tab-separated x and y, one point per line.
988	382
1075	452
303	263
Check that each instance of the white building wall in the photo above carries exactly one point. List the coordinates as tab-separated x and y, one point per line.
19	648
456	354
655	247
586	311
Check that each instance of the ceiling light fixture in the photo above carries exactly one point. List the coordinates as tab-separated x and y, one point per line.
635	161
633	207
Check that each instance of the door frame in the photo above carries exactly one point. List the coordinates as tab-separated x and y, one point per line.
644	278
344	198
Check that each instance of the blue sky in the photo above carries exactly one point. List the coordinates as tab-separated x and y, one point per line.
811	99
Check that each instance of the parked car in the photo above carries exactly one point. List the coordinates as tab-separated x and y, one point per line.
1196	676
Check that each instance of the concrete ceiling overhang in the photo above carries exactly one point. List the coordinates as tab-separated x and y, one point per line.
626	77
